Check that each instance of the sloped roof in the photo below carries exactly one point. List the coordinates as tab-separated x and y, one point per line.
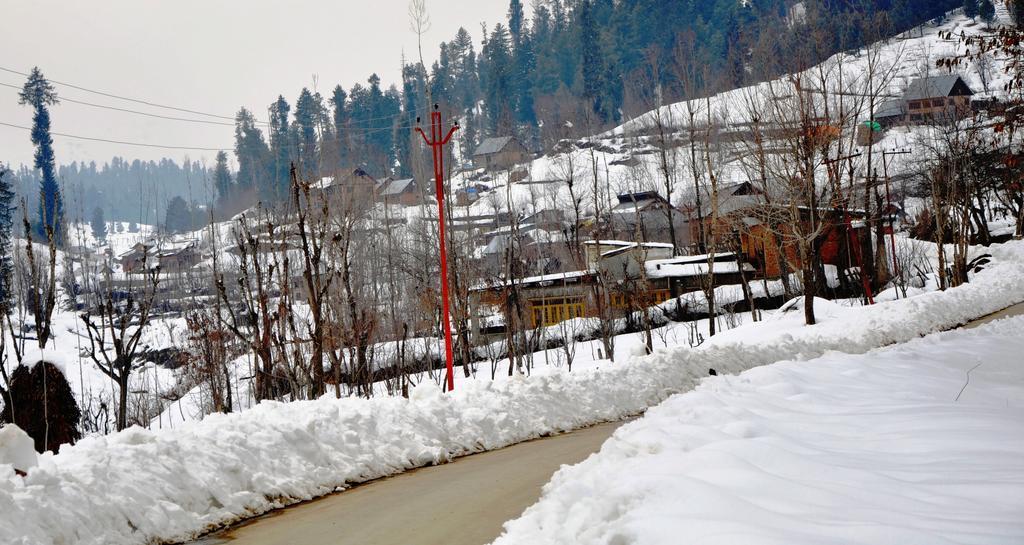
889	108
492	145
397	187
935	86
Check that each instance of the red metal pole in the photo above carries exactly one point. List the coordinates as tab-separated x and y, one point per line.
437	143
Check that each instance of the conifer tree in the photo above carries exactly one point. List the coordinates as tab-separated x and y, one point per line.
342	146
987	12
971	8
39	93
307	115
592	61
222	177
6	231
178	217
252	153
280	150
98	224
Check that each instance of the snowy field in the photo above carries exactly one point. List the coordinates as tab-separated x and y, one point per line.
175	484
915	444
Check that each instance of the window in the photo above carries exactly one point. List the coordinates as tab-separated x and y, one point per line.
938	102
553	310
915	105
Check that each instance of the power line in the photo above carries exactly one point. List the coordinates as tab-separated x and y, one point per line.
138	101
186	110
121	142
125	110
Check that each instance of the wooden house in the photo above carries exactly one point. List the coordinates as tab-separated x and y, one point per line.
649	214
500	153
404	192
937	98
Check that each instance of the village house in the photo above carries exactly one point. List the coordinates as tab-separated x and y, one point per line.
500	153
766	238
353	187
405	192
635	275
172	255
647	214
137	256
937	98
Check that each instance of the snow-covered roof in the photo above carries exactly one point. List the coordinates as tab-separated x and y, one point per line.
935	86
659	269
492	145
553	278
396	187
889	108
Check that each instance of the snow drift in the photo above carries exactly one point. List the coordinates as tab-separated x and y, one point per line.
917	443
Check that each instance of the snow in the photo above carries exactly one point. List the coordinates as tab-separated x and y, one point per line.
173	484
917	443
16	449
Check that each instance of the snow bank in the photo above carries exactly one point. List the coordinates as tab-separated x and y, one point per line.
888	447
17	449
142	486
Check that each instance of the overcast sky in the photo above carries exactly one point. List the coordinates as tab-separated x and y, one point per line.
206	55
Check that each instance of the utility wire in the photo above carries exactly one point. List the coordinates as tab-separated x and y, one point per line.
122	142
186	110
138	101
158	116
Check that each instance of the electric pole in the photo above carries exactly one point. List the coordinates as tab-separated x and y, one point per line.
436	142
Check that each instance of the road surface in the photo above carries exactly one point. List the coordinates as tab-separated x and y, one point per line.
1015	310
461	503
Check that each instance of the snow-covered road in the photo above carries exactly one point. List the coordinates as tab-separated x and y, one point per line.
461	503
465	503
912	444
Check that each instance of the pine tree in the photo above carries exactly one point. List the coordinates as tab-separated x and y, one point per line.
252	153
98	224
987	12
971	8
498	83
39	93
342	146
222	178
6	231
280	150
132	227
593	61
178	217
307	115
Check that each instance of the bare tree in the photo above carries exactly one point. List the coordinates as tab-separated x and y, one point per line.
115	327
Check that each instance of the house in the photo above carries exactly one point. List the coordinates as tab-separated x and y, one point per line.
137	256
355	186
404	192
648	214
937	97
500	153
623	275
890	113
177	255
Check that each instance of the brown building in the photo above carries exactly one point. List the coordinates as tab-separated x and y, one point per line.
404	192
500	153
636	275
937	98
